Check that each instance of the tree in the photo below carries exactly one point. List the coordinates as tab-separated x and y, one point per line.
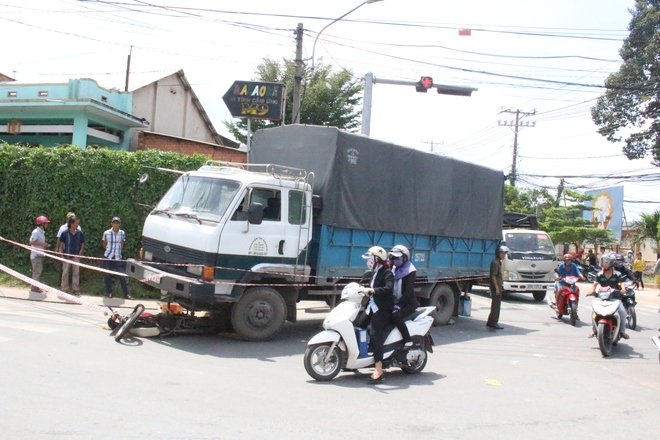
631	103
565	224
526	200
328	98
648	227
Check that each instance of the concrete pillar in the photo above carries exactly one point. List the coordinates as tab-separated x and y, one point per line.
80	131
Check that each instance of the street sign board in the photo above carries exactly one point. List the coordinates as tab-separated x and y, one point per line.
256	100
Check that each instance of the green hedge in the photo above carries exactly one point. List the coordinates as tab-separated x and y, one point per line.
96	184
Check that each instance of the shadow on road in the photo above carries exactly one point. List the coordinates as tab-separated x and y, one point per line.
395	380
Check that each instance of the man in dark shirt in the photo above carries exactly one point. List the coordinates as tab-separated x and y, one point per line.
496	286
72	245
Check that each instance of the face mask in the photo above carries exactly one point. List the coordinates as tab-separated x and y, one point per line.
371	262
398	262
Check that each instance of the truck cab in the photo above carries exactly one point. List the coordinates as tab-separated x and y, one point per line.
531	262
223	235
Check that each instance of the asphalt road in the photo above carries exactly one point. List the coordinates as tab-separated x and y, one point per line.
64	378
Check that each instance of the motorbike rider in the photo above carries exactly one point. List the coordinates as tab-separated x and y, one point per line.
565	269
378	312
405	301
609	277
621	266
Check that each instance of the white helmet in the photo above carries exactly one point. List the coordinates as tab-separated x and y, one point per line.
376	251
502	249
400	250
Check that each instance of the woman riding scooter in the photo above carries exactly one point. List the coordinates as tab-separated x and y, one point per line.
378	312
609	277
405	301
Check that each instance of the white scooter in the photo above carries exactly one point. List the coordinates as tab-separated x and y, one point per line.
605	314
337	347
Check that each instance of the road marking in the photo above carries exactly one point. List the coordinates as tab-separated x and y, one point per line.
5	339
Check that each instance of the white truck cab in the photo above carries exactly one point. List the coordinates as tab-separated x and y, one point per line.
531	262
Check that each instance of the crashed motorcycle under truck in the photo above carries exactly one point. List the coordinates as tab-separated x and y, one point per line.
247	242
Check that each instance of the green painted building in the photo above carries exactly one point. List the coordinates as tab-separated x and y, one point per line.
78	113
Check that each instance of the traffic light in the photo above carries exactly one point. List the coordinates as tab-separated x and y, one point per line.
425	83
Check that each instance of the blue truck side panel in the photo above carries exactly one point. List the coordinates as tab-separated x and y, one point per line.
337	253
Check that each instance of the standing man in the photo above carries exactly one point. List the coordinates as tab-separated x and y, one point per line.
496	285
113	242
638	270
591	258
602	255
38	240
72	244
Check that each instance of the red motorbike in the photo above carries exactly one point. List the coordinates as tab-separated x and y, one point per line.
569	296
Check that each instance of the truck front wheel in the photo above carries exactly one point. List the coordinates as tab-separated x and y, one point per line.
442	298
539	295
259	314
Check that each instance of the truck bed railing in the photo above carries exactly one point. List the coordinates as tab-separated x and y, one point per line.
280	172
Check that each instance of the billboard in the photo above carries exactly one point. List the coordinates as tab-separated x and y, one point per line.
256	100
608	212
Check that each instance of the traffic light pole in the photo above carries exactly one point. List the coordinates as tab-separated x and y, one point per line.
370	80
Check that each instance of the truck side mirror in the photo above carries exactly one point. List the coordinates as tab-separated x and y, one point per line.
255	213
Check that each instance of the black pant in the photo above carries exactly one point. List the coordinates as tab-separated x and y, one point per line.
399	319
639	279
379	322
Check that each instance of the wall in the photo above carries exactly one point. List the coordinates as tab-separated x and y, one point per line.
157	141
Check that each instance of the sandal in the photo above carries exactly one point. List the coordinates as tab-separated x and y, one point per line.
591	335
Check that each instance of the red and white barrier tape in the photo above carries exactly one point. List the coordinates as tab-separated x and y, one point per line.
51	254
49	289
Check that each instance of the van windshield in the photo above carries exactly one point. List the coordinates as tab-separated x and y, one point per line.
202	198
531	242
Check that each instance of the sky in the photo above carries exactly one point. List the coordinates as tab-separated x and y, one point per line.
548	59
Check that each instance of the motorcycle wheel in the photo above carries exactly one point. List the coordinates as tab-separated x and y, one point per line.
631	320
315	363
604	339
126	326
416	368
574	314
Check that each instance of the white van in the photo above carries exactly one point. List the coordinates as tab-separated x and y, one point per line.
531	262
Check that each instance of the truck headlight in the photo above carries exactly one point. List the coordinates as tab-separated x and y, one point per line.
513	276
195	270
148	255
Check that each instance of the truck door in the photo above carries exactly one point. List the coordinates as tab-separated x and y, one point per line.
243	245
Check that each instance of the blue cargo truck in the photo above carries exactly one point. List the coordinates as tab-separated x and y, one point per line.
247	242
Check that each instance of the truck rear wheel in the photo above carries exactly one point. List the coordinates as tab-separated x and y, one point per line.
259	314
442	298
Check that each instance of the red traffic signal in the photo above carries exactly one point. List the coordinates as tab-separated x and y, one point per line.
425	83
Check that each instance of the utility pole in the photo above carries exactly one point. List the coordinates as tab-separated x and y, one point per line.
516	126
433	144
297	76
560	190
128	68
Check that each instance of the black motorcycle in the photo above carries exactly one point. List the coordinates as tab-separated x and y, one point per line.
589	271
628	300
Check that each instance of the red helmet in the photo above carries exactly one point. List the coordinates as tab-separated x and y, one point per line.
568	257
42	219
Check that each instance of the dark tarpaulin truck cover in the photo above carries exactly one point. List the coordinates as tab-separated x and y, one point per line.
375	185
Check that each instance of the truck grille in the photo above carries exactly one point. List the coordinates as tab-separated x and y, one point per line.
176	254
532	276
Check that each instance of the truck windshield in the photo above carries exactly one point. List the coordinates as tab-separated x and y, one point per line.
532	242
206	197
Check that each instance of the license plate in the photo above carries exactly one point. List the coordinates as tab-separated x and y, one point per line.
148	273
